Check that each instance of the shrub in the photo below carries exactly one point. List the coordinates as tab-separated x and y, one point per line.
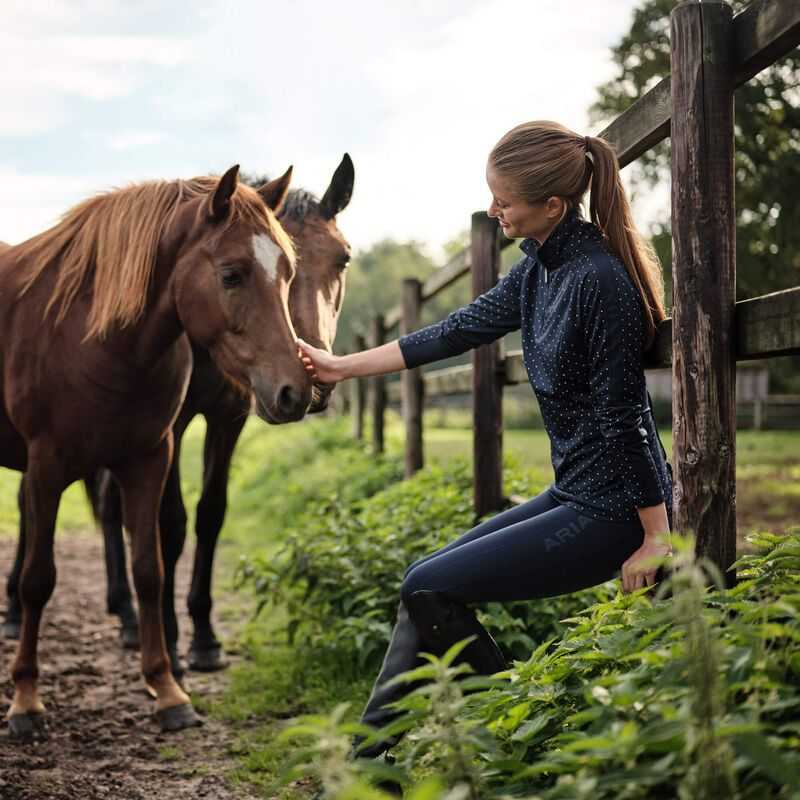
339	572
695	696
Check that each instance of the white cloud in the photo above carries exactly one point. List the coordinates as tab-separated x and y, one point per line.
32	203
132	139
416	92
45	71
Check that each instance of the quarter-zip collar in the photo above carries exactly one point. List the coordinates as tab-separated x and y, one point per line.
563	243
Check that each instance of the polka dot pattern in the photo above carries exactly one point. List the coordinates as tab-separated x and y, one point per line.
583	330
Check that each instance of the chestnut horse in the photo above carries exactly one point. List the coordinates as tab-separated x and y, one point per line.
315	300
95	363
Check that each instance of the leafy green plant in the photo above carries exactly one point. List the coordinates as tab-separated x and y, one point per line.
640	696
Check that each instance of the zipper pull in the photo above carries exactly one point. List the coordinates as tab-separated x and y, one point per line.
545	274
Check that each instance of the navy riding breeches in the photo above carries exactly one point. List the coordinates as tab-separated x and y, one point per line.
538	549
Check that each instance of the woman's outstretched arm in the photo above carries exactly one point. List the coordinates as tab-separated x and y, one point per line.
488	317
325	367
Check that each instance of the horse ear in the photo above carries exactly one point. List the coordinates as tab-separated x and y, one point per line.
274	192
220	202
337	195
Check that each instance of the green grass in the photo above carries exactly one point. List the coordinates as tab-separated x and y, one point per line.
767	469
279	473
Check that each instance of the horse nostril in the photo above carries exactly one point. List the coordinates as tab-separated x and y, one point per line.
288	400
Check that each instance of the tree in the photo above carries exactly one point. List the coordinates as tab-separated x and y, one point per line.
767	165
374	284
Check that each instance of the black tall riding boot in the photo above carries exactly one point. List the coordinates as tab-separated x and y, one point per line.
441	623
400	657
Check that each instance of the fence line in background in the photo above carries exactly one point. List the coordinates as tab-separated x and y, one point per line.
712	53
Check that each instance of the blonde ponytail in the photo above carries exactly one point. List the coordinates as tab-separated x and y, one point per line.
543	159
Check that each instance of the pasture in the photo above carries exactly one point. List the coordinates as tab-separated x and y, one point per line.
280	476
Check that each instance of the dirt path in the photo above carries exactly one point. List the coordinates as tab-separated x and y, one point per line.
103	741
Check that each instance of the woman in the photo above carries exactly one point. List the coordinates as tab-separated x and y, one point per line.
587	297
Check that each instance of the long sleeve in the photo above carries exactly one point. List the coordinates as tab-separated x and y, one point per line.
614	326
488	317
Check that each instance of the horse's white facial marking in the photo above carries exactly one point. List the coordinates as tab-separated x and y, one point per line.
267	254
323	312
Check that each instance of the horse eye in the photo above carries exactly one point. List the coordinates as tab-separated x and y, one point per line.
344	262
231	278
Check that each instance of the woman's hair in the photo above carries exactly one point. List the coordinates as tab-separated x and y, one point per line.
543	159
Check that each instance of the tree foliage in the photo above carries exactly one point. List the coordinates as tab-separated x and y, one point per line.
767	139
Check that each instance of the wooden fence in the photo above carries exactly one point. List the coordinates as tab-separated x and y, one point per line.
713	52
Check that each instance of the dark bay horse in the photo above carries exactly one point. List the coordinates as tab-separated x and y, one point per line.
95	362
315	299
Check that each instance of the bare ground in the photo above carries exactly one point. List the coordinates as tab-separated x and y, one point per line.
103	739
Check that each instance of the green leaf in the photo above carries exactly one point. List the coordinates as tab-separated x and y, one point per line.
756	747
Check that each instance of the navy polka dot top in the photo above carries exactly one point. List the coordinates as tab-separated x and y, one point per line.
583	331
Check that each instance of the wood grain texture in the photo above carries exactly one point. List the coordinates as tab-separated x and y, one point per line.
378	388
411	381
487	378
358	395
704	279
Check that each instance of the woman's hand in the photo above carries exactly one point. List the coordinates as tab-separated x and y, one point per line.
322	366
640	569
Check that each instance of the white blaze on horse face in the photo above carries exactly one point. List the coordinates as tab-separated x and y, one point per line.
267	254
324	318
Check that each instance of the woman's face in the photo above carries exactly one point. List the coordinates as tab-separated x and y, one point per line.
519	218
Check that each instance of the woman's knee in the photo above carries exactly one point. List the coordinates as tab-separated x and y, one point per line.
412	582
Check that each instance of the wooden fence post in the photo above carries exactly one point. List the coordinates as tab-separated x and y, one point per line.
704	278
487	381
378	388
358	391
412	386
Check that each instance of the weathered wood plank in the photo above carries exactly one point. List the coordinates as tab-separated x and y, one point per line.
378	386
451	380
411	381
704	279
643	125
514	371
358	395
769	325
766	326
457	267
764	32
487	401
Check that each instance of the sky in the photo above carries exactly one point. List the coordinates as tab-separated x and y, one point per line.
101	93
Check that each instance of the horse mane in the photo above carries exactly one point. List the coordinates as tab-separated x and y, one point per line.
110	241
299	204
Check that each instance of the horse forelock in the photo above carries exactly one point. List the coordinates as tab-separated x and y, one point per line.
299	204
112	240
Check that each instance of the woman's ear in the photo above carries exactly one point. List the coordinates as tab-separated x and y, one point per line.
555	207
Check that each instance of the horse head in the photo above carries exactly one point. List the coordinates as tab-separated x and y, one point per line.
317	292
233	271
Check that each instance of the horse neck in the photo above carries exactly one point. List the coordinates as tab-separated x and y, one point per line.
159	328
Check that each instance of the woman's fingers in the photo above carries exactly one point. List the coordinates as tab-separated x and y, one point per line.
303	351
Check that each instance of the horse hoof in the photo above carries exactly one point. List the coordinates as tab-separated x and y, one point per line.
11	629
129	638
27	727
209	660
177	718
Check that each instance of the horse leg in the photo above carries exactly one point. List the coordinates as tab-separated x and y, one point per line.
205	652
107	503
13	620
142	484
44	482
172	521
